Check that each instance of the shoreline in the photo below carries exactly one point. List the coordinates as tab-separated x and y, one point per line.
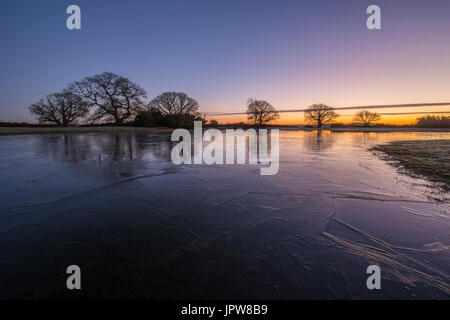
116	129
48	130
351	129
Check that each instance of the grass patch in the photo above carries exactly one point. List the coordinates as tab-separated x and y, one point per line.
426	158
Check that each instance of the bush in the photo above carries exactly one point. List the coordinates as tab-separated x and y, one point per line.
150	118
144	119
147	118
171	121
178	121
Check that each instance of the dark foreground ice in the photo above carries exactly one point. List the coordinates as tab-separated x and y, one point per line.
140	227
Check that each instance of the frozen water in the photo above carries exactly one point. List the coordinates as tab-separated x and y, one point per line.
140	227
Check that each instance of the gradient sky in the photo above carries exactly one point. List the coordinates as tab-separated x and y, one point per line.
291	53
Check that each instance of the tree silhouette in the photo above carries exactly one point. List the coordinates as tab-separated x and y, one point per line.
115	97
261	112
366	117
61	108
174	104
320	114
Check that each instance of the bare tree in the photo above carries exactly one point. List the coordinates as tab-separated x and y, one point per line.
174	104
115	97
320	114
61	108
366	117
261	111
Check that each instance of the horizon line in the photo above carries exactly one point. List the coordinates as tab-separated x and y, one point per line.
345	108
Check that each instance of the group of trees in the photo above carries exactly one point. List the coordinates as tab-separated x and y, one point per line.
320	114
433	122
109	97
260	112
114	98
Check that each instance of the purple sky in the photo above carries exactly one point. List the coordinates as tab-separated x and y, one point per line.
292	53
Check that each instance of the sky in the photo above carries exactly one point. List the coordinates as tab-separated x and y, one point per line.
290	53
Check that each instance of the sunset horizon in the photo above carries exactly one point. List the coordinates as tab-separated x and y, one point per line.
389	115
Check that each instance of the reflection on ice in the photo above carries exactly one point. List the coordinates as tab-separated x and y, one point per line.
124	152
141	227
318	141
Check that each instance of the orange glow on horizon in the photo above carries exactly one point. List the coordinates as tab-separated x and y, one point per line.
346	117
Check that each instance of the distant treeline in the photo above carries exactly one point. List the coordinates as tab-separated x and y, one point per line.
372	125
433	122
25	124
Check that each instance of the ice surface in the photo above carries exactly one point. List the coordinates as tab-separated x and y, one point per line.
140	227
